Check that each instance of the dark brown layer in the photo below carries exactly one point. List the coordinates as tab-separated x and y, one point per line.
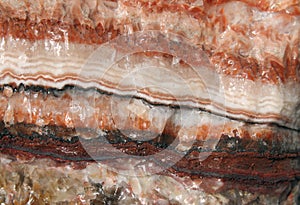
251	162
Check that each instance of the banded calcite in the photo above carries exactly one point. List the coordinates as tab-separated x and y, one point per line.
149	102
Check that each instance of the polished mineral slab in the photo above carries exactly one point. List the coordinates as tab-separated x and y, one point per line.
149	102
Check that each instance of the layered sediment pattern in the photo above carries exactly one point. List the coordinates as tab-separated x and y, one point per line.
149	102
162	141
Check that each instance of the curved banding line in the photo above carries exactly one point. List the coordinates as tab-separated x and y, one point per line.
222	95
71	79
209	93
213	92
